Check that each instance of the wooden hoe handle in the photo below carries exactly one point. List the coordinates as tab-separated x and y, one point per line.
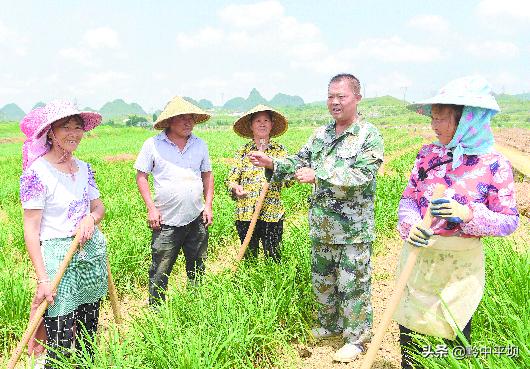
398	290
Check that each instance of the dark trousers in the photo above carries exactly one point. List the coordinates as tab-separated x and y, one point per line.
406	344
166	244
79	326
270	234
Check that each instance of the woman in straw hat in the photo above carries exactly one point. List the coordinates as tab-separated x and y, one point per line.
60	198
181	209
245	180
448	279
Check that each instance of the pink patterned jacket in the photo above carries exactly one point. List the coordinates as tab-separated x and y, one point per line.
482	182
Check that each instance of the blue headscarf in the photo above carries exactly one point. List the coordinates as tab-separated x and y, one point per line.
473	134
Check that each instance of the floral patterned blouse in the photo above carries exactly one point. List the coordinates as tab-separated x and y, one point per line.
252	179
482	182
63	198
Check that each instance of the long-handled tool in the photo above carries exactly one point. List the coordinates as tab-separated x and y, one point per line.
255	215
252	225
398	290
34	323
41	309
113	295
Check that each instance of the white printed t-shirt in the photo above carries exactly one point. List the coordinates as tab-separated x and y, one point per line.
64	201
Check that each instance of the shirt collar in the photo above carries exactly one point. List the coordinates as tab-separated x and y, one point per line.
162	136
353	129
252	145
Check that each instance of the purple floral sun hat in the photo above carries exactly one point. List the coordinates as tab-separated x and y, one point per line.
36	124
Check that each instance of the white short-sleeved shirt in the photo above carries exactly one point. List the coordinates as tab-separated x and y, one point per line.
177	176
65	201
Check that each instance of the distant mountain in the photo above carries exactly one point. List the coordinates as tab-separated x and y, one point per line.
203	103
281	100
191	100
382	100
119	108
89	109
11	112
241	104
40	104
236	103
255	98
525	96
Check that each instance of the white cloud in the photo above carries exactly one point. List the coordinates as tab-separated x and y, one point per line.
92	49
430	23
206	37
80	55
12	41
518	9
259	29
102	37
99	83
395	50
252	15
504	81
493	49
105	78
394	83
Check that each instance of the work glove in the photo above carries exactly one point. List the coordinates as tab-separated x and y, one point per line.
451	210
419	235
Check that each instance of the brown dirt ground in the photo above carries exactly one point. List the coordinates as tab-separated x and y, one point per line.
522	193
519	160
518	138
227	161
318	355
120	157
4	140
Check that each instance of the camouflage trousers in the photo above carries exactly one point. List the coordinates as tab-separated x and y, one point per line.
341	283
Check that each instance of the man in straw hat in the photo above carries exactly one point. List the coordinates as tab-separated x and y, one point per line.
181	210
245	181
341	160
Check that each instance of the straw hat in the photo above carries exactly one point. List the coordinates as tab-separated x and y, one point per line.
467	91
242	125
179	106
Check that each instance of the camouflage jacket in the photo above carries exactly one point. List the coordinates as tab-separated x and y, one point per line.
342	203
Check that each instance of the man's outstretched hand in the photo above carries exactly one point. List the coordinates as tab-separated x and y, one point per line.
259	159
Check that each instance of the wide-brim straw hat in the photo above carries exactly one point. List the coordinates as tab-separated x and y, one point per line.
242	125
467	91
180	106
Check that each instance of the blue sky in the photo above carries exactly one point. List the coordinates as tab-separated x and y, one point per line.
150	51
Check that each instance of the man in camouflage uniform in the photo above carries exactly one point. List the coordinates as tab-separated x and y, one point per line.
341	160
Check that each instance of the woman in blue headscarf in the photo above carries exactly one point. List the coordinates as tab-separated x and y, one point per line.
447	283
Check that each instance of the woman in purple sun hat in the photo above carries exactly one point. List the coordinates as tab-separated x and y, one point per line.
60	198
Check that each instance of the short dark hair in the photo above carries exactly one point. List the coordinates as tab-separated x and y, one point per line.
354	82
